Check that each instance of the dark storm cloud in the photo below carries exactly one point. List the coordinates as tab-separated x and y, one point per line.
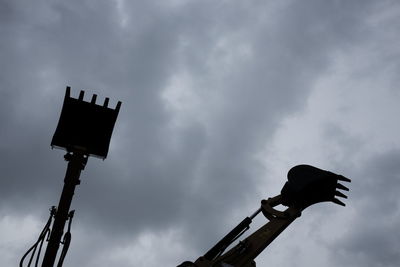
220	159
79	46
159	176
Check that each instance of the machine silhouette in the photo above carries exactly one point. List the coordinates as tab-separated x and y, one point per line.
84	129
306	185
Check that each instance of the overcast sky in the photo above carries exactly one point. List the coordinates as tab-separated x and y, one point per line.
219	100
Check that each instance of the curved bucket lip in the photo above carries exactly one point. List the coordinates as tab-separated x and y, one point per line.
85	126
308	185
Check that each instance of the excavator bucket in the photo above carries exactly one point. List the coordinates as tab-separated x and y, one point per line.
85	126
308	185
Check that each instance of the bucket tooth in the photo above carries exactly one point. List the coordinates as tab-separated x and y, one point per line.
337	201
106	100
340	194
81	94
342	178
93	99
118	106
340	186
67	92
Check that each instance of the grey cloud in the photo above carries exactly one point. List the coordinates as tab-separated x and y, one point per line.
372	239
158	176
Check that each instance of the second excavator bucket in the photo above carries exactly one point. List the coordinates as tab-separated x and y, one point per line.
308	185
85	125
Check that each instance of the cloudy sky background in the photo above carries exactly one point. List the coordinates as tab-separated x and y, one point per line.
220	100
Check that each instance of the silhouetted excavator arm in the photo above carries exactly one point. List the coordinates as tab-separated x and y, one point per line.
306	185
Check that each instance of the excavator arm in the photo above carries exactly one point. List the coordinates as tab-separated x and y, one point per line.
306	185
